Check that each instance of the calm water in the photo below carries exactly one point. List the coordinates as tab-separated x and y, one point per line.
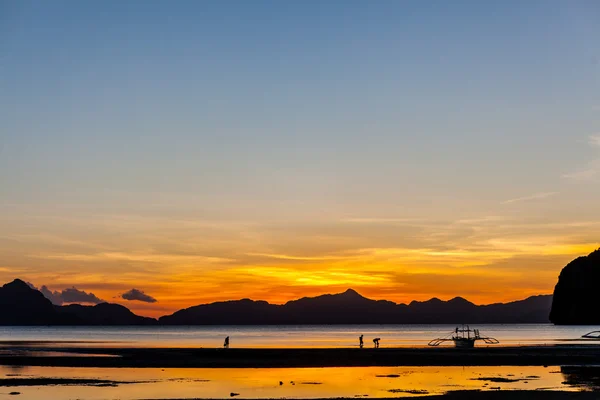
290	336
298	383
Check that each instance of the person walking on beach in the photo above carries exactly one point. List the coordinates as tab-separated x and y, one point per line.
376	342
360	341
226	344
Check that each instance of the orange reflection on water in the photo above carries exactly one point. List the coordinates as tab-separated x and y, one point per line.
299	383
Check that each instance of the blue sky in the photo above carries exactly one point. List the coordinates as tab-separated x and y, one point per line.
294	113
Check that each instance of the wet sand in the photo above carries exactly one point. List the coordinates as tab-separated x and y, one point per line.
295	358
475	395
482	382
31	354
514	395
20	382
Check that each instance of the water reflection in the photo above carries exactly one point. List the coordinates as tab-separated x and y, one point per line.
296	383
584	378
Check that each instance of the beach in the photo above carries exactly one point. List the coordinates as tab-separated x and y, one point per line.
93	371
62	355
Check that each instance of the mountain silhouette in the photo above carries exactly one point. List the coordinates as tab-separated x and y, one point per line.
100	314
344	308
239	312
350	307
576	293
22	305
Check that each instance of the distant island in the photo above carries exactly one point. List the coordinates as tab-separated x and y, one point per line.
21	304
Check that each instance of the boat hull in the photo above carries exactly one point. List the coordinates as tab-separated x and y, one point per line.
461	343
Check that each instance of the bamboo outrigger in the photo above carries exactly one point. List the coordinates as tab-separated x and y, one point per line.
592	335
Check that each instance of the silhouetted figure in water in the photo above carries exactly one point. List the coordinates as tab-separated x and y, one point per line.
376	342
360	341
226	344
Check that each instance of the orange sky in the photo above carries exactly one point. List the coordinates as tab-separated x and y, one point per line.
183	262
402	150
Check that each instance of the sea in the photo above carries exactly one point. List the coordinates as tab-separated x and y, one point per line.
289	336
58	383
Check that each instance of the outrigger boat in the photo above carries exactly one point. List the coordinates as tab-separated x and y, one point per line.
464	338
592	335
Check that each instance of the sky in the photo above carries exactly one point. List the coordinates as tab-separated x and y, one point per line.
204	151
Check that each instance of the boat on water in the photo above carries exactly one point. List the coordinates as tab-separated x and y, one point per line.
464	338
592	335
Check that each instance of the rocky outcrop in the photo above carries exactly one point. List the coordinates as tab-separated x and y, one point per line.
577	293
22	305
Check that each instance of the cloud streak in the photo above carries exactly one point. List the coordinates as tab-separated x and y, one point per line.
380	220
592	171
535	196
134	257
587	174
594	140
138	295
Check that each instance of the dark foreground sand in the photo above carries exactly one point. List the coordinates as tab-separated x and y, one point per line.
514	395
477	395
509	395
32	355
56	354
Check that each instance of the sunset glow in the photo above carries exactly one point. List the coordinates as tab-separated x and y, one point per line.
197	152
187	262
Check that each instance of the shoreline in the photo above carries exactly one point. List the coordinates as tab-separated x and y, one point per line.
150	357
469	395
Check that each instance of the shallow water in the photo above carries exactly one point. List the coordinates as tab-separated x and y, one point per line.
289	336
300	383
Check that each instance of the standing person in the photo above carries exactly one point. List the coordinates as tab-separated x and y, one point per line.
360	341
226	344
376	342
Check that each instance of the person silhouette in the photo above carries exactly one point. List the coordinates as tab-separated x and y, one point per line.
226	344
360	341
376	342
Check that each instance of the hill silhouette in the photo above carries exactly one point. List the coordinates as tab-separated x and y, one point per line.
350	307
100	314
22	305
576	293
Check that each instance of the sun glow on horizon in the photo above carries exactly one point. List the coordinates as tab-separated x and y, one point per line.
181	271
275	150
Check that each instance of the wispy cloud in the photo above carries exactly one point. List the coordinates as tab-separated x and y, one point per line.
535	196
295	258
592	171
379	220
134	257
482	220
594	140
